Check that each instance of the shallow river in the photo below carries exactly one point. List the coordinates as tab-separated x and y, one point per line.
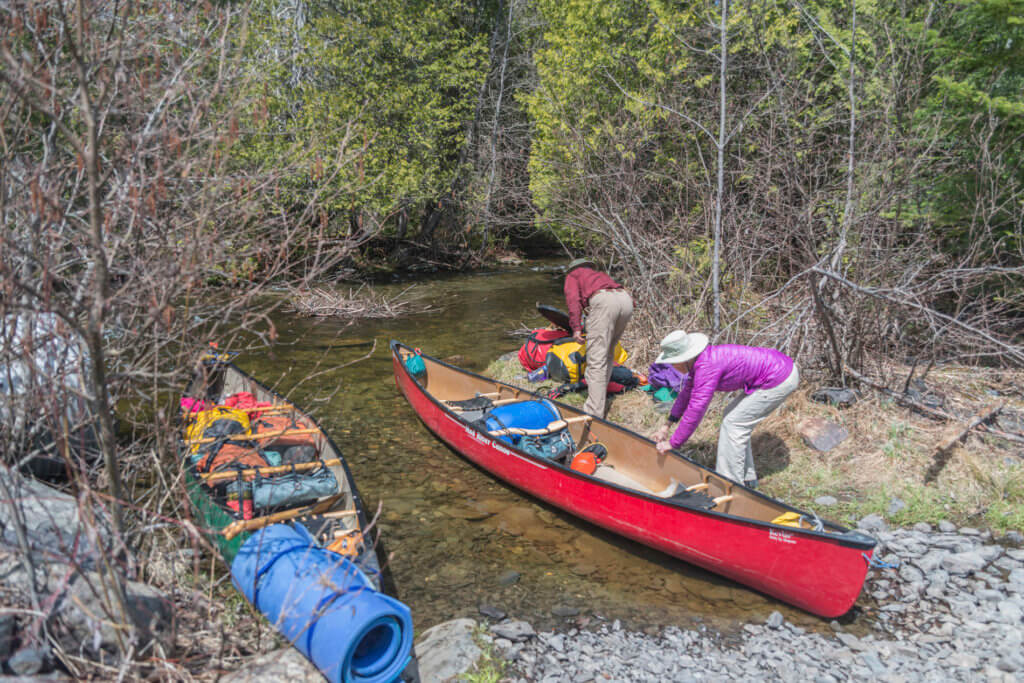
453	534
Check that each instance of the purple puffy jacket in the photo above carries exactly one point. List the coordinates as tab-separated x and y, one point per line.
727	367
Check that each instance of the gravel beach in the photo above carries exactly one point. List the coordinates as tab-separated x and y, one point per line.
952	610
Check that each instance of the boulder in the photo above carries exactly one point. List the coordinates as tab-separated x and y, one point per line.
515	631
820	434
286	665
447	650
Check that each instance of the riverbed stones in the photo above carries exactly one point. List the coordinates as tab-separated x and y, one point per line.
508	578
447	650
872	523
946	527
491	612
966	625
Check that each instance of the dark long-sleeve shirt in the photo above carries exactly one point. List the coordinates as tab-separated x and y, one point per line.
581	284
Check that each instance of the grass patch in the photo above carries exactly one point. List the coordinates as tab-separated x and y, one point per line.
489	668
887	455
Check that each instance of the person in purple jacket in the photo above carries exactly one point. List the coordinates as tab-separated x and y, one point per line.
766	377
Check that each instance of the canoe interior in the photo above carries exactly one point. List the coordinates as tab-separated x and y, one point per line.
633	462
212	382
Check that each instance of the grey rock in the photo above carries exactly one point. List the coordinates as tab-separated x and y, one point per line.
1016	576
874	663
851	641
963	563
820	434
564	611
947	527
775	620
491	612
447	650
150	609
508	578
516	631
910	573
872	523
280	666
28	661
825	501
1014	537
923	527
1011	613
969	531
931	560
895	506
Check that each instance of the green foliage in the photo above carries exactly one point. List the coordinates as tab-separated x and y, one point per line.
366	104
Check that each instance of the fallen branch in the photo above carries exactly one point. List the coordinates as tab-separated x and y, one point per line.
945	449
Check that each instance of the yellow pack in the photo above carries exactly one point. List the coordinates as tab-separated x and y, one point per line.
228	421
566	362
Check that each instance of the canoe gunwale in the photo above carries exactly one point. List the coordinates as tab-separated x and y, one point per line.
843	536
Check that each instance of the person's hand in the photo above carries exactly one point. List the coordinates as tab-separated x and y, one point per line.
663	446
578	337
661	434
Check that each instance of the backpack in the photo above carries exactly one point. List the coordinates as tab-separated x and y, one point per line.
566	362
238	454
216	423
533	353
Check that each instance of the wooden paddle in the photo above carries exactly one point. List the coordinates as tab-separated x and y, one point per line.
238	526
552	427
251	437
263	471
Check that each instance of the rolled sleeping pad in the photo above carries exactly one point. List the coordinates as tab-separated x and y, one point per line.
324	605
522	414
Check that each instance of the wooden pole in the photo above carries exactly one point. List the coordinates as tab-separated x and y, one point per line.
276	469
250	437
238	526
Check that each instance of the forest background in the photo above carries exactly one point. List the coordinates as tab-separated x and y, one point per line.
841	179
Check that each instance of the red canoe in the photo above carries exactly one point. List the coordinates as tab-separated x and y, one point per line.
667	502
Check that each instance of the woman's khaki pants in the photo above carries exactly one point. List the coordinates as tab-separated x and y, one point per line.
735	460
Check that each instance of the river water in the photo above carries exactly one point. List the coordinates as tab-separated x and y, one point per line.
453	535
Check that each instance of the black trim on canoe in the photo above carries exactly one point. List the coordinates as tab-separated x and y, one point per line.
845	537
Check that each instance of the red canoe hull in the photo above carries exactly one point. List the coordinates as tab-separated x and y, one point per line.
819	574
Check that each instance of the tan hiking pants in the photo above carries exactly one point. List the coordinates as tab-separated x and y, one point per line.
608	312
735	459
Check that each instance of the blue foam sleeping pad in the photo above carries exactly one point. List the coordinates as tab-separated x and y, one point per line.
324	605
524	415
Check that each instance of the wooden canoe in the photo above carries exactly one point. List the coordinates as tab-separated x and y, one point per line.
650	497
337	515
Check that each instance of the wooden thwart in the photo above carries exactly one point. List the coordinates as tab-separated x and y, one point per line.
252	437
552	427
263	471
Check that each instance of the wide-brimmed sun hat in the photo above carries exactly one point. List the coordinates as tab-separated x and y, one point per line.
577	262
679	347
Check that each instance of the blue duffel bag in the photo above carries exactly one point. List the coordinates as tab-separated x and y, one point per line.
523	415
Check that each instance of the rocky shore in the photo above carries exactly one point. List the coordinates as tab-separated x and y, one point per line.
953	609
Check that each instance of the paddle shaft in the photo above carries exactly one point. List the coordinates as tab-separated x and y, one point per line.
238	526
252	437
276	469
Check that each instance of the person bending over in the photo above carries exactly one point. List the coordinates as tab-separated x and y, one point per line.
609	307
766	377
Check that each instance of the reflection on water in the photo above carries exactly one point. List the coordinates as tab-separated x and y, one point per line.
457	537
